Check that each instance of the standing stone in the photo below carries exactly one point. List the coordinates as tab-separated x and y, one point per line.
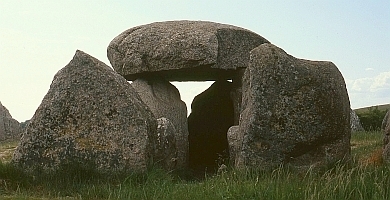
236	94
355	122
212	115
386	137
90	119
9	127
166	150
164	100
233	140
182	50
294	112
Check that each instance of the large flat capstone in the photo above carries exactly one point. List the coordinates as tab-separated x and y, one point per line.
182	50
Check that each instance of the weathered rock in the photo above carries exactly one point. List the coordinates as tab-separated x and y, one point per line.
236	94
233	140
212	115
166	150
9	127
91	119
294	112
182	50
355	122
164	100
24	125
386	137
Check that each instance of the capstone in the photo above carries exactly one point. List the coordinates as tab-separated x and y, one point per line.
182	50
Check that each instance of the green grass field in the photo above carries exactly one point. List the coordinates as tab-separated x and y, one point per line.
365	178
380	107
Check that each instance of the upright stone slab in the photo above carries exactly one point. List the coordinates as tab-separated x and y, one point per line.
234	146
9	127
166	149
294	112
90	119
212	115
164	101
182	50
355	122
386	137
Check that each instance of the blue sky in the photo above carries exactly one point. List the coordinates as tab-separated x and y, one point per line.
38	38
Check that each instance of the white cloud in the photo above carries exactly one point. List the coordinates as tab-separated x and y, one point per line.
361	85
370	84
370	90
369	69
382	81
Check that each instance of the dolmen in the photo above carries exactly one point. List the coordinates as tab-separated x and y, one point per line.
266	108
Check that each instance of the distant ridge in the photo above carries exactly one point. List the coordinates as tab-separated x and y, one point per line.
365	109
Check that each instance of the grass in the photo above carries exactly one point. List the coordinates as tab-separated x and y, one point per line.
366	109
365	178
6	150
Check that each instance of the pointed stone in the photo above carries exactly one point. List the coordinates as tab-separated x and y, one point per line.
91	119
9	127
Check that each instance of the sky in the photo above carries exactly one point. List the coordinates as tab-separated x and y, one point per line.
38	38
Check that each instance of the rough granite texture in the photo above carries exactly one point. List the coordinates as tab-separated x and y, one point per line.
166	150
164	100
294	112
92	119
355	122
182	50
386	137
9	127
232	137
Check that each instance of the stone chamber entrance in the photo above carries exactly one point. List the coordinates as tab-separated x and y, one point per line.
212	114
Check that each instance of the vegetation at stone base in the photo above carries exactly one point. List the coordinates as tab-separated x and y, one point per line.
366	177
371	117
6	150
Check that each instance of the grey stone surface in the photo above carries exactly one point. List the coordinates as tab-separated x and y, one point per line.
211	116
164	100
236	94
182	50
166	149
386	137
233	140
355	122
9	127
294	112
92	119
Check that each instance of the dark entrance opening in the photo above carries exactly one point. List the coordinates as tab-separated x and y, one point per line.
211	116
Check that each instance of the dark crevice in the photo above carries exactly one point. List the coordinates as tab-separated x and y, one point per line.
212	115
